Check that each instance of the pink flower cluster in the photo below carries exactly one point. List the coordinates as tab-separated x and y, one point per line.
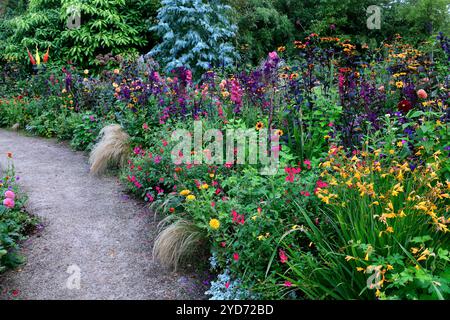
9	199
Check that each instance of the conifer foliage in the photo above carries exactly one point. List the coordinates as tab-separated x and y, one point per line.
194	34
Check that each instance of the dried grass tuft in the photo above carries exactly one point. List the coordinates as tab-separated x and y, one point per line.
178	242
112	149
15	127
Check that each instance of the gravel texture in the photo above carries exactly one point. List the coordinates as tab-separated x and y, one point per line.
88	223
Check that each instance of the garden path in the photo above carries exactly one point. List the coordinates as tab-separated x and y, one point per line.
90	226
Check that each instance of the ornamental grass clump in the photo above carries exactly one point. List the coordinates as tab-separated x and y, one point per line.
111	150
178	242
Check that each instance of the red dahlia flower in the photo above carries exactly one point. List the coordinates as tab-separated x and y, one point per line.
404	106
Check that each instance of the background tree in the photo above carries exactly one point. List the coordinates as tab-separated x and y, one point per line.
195	34
426	17
107	26
261	27
116	26
38	25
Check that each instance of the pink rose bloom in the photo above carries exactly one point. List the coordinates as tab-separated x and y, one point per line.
422	94
9	203
10	194
381	89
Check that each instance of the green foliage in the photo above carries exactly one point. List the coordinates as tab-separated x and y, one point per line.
261	28
107	26
117	27
38	26
426	17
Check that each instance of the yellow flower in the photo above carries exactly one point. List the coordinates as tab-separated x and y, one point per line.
279	132
260	237
185	192
190	197
377	293
359	269
259	125
348	258
204	186
399	84
391	151
388	230
211	175
86	71
369	251
333	182
214	224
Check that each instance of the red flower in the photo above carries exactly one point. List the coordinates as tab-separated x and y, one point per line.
320	185
33	62
46	55
172	210
404	106
291	173
236	256
238	218
283	256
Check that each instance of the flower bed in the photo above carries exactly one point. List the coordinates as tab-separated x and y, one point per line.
359	206
15	223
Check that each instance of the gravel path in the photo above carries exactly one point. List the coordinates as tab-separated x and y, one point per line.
90	224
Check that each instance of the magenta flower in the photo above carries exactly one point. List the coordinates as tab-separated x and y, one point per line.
288	284
273	55
157	159
10	194
307	163
283	256
236	256
9	203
